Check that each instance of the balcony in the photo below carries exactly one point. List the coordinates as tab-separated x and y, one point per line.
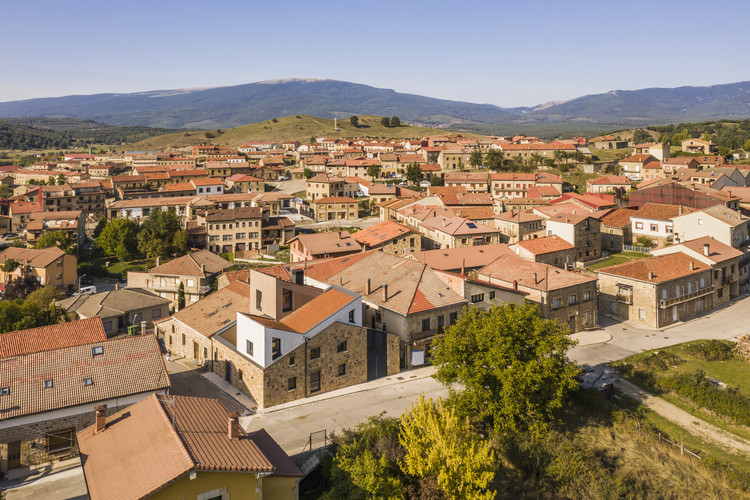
664	303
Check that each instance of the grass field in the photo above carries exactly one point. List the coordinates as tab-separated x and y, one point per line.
611	154
618	258
288	128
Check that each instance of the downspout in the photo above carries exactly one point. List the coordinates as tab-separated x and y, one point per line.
305	381
259	488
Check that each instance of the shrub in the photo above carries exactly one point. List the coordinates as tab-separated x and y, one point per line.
695	386
710	350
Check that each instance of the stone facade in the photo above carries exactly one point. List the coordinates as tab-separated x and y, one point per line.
340	209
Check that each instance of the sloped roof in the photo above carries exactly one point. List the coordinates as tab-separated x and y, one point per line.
546	244
328	243
661	211
190	265
45	338
32	257
657	269
113	303
215	311
618	217
162	438
454	258
717	251
111	374
317	310
530	274
458	226
381	232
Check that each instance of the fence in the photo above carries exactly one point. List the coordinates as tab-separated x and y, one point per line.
631	248
661	438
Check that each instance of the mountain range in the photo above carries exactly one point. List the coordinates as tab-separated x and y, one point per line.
224	107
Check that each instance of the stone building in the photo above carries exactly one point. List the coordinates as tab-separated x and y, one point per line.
234	229
615	228
580	230
52	378
551	250
657	291
516	226
50	266
566	296
336	208
454	232
325	186
321	245
390	237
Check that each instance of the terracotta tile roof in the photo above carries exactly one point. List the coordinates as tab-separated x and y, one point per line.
454	258
591	200
178	187
31	257
458	226
561	208
657	269
661	211
46	338
609	179
190	265
231	214
381	232
569	218
474	213
328	243
334	199
717	251
547	244
617	217
467	177
111	374
208	181
543	191
327	178
161	438
640	158
516	216
725	214
535	275
214	312
317	310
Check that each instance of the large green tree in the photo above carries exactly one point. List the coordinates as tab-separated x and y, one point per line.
507	366
119	237
413	173
438	443
161	235
475	158
374	171
354	121
60	239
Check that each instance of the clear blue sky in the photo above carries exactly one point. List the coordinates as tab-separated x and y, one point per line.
509	53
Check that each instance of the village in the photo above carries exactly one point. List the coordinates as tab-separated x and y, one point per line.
309	269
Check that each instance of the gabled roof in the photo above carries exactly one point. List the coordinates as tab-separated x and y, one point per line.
317	310
162	438
46	338
31	257
111	374
455	258
328	243
190	265
657	269
113	303
609	179
617	217
530	274
640	158
216	311
717	251
661	211
457	226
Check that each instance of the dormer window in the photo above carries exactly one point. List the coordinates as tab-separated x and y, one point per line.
88	381
4	391
48	384
97	351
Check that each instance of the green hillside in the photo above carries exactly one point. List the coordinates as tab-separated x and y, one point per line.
300	128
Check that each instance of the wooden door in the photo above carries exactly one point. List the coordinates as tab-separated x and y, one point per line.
195	350
14	454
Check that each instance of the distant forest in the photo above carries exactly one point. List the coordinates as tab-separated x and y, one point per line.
60	133
729	135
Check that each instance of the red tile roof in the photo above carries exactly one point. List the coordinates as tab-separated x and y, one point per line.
547	244
381	232
47	338
657	269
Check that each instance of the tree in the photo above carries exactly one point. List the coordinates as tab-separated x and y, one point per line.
307	173
354	120
21	286
494	159
161	235
385	121
9	265
461	165
475	158
374	171
119	237
436	180
60	179
313	140
640	136
60	239
511	363
395	121
181	297
6	191
746	145
438	443
45	296
100	227
413	173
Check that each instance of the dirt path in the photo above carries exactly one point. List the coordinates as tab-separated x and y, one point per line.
690	423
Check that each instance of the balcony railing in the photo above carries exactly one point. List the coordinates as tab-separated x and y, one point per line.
684	298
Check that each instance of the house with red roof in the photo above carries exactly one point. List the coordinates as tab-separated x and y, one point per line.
617	184
551	250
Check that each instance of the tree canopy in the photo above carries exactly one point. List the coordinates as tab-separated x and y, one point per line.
60	239
119	237
374	171
493	158
354	121
475	158
413	173
511	364
161	235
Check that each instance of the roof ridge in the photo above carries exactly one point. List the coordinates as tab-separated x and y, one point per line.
416	288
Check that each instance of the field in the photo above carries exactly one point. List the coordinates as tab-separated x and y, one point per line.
299	128
618	258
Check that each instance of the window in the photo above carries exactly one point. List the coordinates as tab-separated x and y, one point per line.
183	339
492	295
639	225
477	298
586	318
342	369
190	283
4	391
378	317
59	275
625	293
700	221
291	383
275	347
441	323
351	316
291	361
156	313
586	296
315	381
641	313
249	347
88	381
97	351
341	346
108	326
571	300
259	300
611	306
48	384
314	352
556	304
453	317
286	300
425	324
239	374
59	441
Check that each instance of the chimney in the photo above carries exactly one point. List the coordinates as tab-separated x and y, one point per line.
158	261
705	249
692	265
367	286
203	268
463	266
100	419
233	430
515	284
650	275
535	279
385	292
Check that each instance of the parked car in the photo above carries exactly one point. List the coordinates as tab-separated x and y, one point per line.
86	290
10	235
284	178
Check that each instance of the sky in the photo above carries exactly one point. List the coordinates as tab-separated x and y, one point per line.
508	53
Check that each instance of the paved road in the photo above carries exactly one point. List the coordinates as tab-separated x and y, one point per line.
186	382
291	425
69	484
